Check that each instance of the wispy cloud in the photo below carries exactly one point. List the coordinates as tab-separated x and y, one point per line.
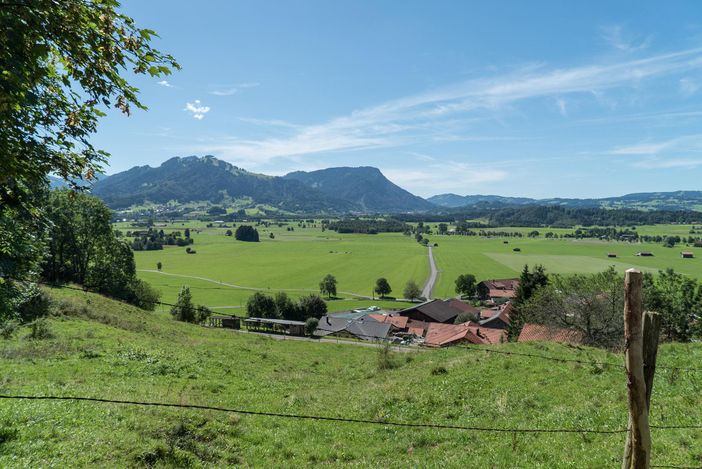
197	109
688	86
655	163
562	107
617	37
165	83
677	145
432	178
229	90
425	116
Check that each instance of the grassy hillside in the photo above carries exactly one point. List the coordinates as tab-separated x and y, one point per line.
105	349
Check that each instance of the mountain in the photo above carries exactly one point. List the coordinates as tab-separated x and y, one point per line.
192	178
678	200
365	187
195	178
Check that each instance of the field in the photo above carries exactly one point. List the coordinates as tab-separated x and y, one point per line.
225	272
109	350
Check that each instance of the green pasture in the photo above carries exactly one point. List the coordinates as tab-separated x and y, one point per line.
105	349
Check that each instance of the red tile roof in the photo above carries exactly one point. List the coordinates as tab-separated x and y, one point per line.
439	335
538	332
499	293
398	321
489	335
503	284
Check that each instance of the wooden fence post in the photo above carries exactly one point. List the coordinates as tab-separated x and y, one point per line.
637	451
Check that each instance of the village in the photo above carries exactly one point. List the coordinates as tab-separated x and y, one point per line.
432	323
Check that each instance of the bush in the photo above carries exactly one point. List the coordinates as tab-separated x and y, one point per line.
39	329
386	359
202	314
142	295
8	328
439	370
35	304
311	325
465	317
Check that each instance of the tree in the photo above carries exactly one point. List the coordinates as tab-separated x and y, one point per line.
272	236
158	266
62	65
465	317
412	290
246	233
312	306
677	298
382	287
228	233
311	325
529	284
328	286
465	285
590	304
286	308
260	305
186	233
443	228
202	314
184	310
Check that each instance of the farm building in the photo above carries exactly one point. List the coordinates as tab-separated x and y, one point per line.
365	328
687	255
644	254
611	254
432	311
492	289
442	335
283	326
499	318
228	322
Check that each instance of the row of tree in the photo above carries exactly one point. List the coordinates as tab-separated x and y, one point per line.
281	306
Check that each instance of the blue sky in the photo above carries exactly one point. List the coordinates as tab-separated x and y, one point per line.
540	99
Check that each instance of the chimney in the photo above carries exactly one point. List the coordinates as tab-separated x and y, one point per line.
327	318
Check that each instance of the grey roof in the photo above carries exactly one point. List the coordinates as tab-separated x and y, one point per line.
283	322
364	328
438	310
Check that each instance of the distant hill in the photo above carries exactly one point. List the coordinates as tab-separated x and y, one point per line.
195	178
192	178
678	200
365	187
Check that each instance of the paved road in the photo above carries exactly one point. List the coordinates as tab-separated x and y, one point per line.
429	286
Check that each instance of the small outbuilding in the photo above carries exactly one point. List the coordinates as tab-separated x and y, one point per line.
281	326
611	254
644	254
227	322
687	255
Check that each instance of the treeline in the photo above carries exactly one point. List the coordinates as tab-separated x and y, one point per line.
82	247
280	306
592	304
366	226
557	217
153	240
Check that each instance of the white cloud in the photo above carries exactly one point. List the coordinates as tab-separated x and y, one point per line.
688	86
165	83
232	89
655	163
448	176
423	117
197	109
617	37
561	103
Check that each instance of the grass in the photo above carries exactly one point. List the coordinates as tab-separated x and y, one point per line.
105	349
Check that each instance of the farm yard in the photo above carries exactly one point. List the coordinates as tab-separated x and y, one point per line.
224	272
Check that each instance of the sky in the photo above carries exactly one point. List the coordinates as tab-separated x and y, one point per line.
537	99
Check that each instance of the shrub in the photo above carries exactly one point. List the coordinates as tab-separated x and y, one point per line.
439	370
36	304
184	310
386	359
142	295
311	325
202	314
8	328
39	329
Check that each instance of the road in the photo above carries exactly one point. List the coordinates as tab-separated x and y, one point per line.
429	286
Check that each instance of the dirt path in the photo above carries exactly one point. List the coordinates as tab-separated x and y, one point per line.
429	286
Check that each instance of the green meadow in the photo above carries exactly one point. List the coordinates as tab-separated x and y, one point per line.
225	272
106	349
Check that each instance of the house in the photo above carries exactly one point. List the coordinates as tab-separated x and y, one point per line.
283	326
432	311
228	322
498	289
644	254
611	254
417	328
365	328
442	335
687	255
499	319
537	332
463	306
400	322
